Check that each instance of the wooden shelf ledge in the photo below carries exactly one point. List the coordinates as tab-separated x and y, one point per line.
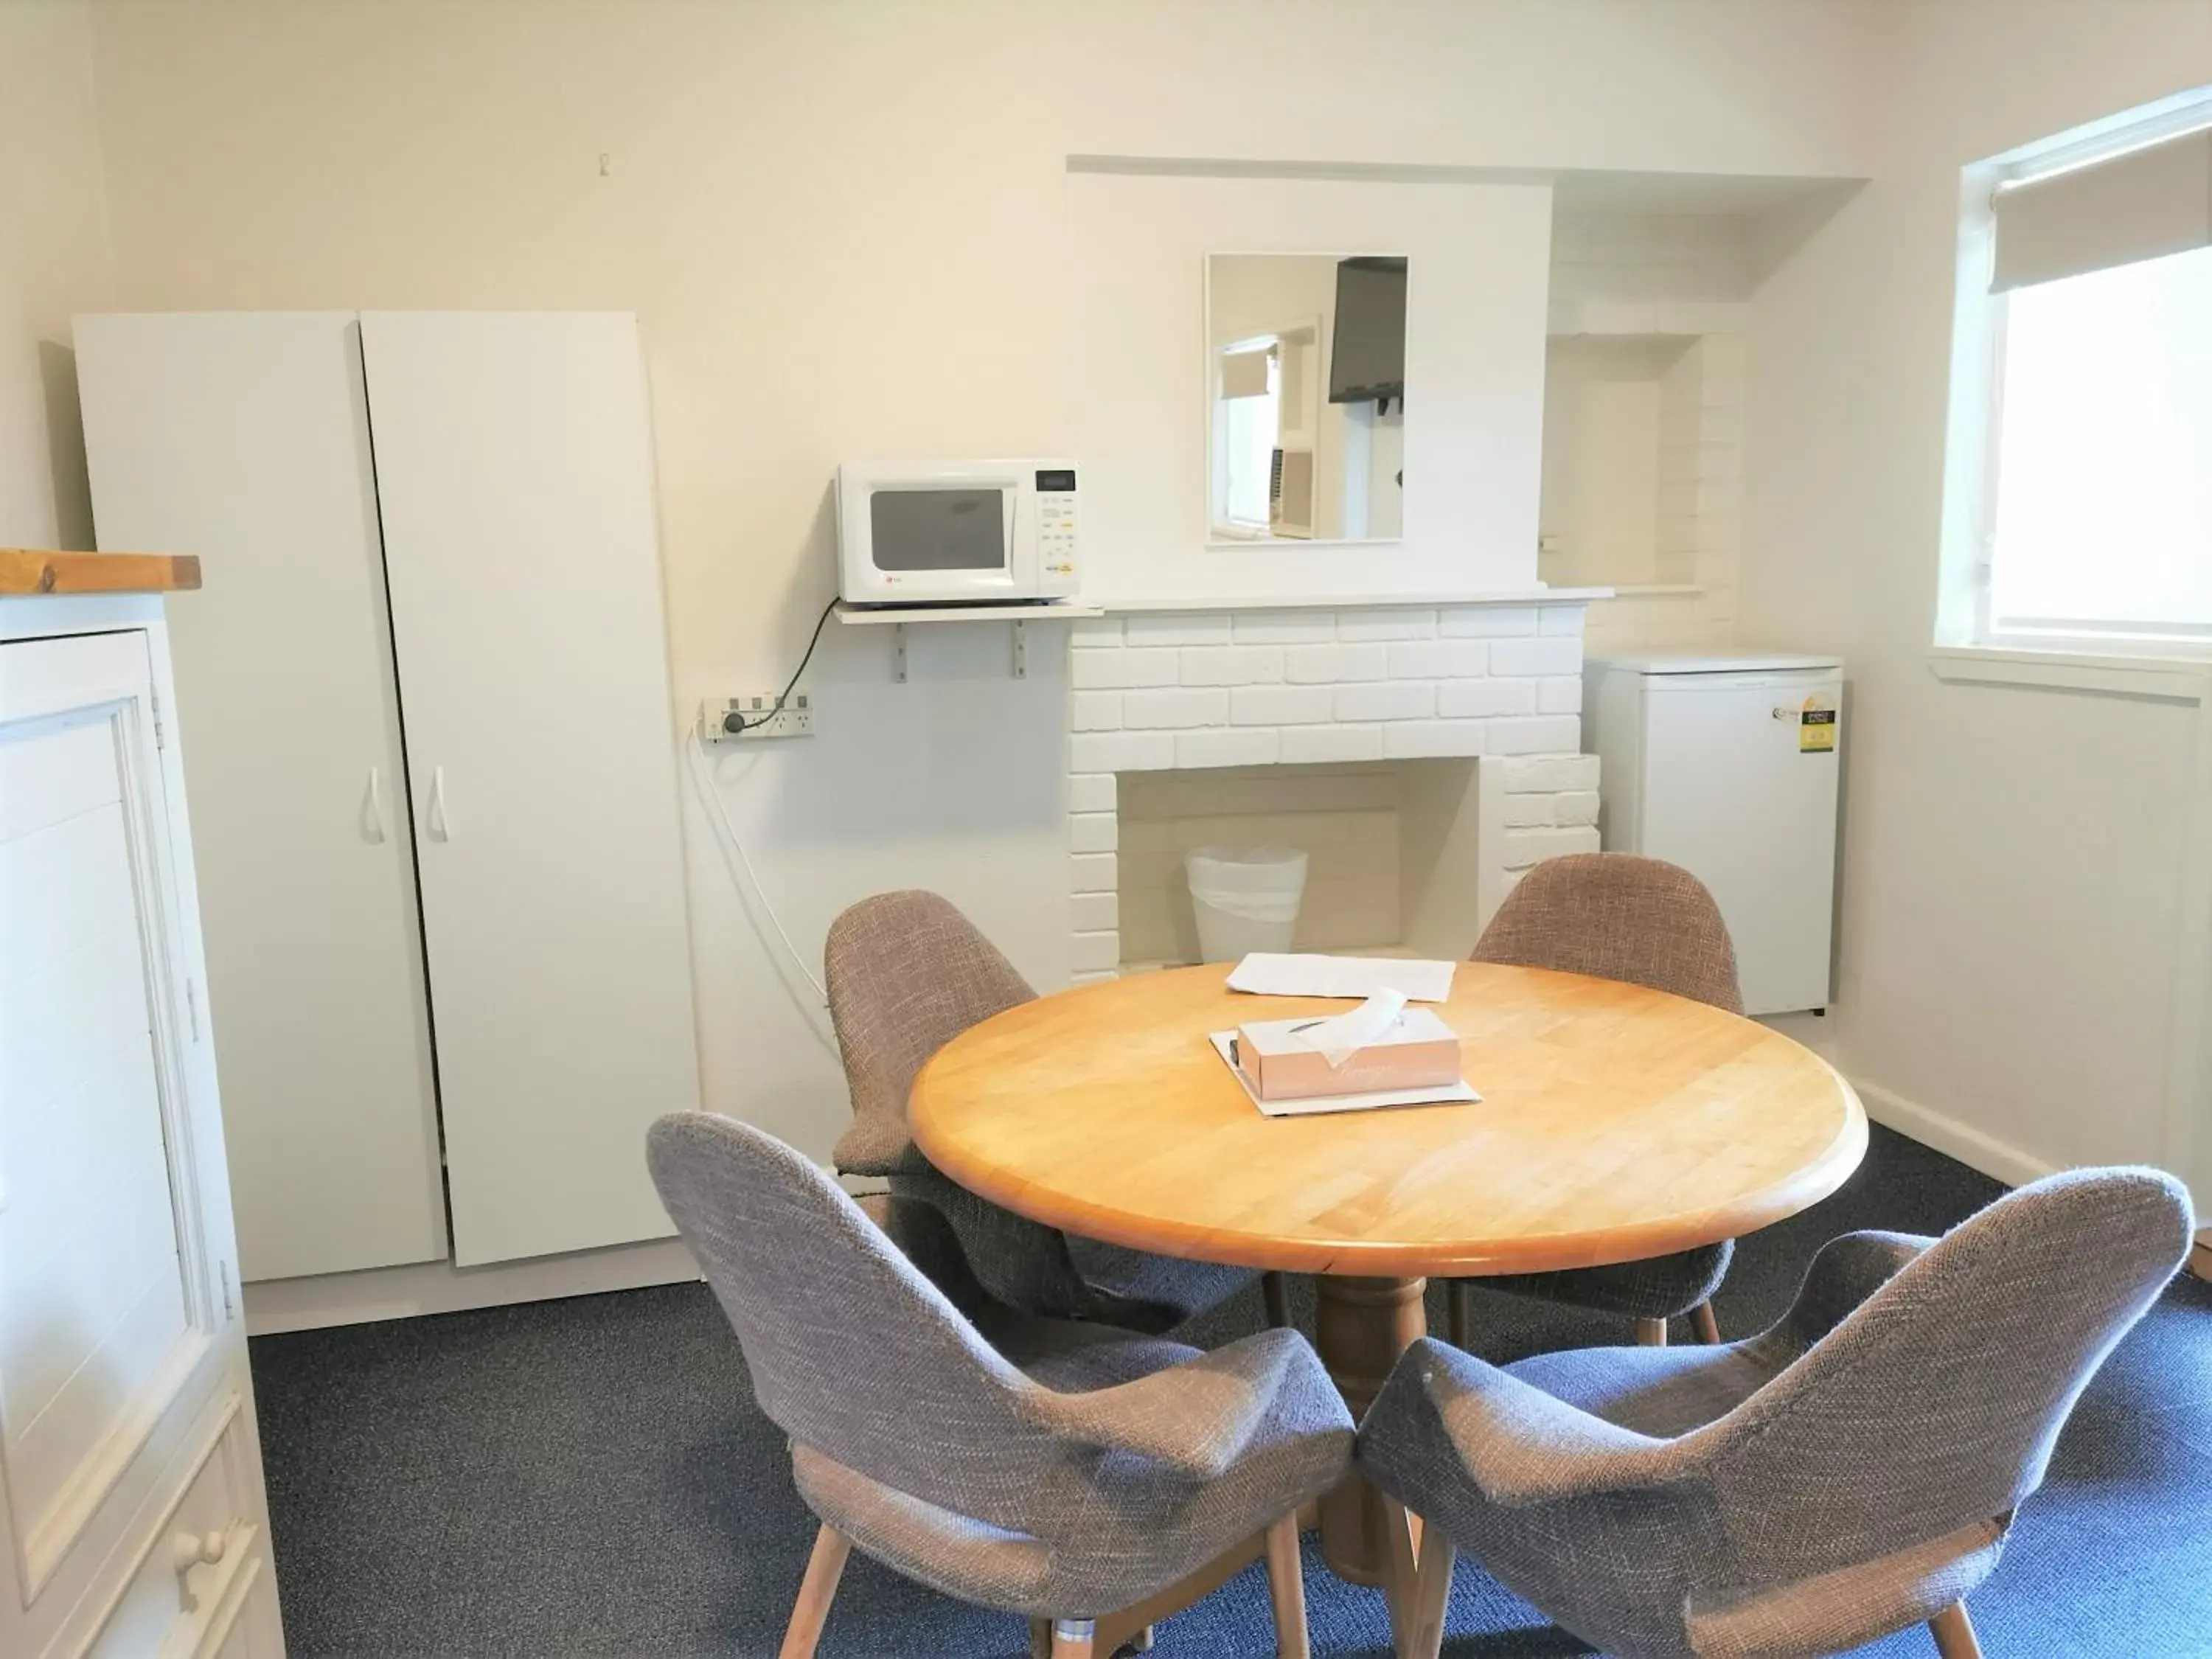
28	571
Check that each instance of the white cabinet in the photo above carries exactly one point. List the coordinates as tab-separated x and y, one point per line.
430	715
126	1413
1728	765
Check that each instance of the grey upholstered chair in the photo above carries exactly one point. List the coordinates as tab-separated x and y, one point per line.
1064	1471
1850	1472
907	973
1613	915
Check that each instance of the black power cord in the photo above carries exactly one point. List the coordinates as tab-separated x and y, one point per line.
734	723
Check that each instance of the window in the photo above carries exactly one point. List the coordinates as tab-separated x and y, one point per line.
2103	517
2092	285
1249	410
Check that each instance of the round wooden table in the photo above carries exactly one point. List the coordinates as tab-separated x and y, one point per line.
1616	1123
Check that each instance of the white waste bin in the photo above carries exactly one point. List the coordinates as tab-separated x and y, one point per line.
1246	898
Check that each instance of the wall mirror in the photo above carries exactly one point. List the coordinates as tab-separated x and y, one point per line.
1306	378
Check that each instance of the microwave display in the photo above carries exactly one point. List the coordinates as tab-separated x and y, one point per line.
1061	482
938	529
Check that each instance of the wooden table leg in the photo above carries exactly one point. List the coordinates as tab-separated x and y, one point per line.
1363	1326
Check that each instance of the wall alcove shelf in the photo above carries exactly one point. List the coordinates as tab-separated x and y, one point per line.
29	570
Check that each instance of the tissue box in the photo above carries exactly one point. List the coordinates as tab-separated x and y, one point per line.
1419	1052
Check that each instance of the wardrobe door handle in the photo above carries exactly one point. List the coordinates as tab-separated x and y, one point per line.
441	826
372	809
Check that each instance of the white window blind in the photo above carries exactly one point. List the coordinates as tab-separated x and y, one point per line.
2146	203
1245	432
1244	373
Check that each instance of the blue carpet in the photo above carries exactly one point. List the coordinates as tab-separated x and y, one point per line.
590	1477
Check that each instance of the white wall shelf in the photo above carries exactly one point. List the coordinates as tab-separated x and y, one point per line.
1019	615
867	616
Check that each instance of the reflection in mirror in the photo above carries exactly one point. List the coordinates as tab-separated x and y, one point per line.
1306	378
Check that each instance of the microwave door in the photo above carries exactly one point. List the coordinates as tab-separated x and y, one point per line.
944	540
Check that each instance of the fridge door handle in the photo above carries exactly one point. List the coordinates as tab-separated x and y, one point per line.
371	806
441	828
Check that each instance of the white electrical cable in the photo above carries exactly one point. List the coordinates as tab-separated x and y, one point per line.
702	780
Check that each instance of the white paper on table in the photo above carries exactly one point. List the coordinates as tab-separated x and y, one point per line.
1272	974
1436	1095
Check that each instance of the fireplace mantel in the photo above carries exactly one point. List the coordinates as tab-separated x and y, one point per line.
1130	606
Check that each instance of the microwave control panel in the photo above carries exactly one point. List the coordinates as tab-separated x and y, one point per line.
1055	500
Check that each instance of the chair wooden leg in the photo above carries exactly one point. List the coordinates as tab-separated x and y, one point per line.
1709	1328
1459	1303
1071	1638
1399	1583
1955	1634
815	1591
1651	1333
1287	1587
1423	1635
1278	1295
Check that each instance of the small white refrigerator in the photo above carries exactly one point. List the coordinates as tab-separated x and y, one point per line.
1726	764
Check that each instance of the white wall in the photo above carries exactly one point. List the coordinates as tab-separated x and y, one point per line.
1601	494
1476	259
53	261
2015	860
846	231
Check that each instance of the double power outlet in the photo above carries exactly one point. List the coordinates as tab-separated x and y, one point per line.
794	719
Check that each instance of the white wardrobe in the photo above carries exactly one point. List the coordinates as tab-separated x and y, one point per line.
432	766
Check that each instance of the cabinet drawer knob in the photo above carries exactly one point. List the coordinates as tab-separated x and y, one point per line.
189	1550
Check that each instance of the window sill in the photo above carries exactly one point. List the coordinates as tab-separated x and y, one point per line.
2112	674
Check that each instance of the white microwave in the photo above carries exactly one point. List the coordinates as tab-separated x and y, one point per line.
955	533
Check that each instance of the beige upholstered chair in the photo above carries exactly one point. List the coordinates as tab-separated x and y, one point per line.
1852	1471
1613	915
907	973
1065	1471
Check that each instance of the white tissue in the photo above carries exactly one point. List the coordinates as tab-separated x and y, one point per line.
1340	1037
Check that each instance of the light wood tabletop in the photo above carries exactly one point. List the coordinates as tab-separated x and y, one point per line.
1616	1124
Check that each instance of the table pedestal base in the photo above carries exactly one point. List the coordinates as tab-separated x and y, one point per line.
1362	1326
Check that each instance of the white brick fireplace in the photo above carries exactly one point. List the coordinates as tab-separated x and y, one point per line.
1499	685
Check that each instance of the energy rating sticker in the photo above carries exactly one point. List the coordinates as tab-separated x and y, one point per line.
1816	729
